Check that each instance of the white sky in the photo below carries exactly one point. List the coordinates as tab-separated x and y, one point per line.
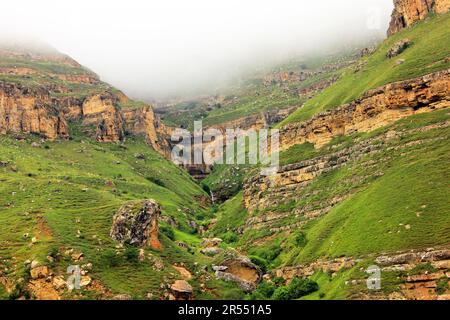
159	48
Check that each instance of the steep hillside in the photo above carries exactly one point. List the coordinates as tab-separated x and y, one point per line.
74	150
427	52
362	183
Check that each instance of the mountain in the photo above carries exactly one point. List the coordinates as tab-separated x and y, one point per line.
362	188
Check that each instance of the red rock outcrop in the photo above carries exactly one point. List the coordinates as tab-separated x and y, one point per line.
408	12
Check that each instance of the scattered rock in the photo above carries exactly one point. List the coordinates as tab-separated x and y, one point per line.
39	272
77	256
85	281
211	242
59	282
211	251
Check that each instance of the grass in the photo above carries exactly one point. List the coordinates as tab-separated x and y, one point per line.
66	193
430	46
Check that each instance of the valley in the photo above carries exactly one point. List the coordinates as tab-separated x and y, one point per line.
87	181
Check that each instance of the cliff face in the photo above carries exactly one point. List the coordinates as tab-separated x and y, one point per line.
143	121
23	110
42	91
375	109
408	12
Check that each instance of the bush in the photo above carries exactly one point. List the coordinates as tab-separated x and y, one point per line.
168	232
268	253
260	262
132	254
300	239
230	237
296	289
109	258
233	294
264	290
282	293
442	286
157	181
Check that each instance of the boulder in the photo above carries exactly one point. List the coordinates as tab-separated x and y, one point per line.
181	290
136	223
211	242
39	272
398	48
241	270
211	251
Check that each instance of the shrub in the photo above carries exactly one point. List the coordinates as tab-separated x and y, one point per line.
296	289
300	239
168	232
264	290
282	293
230	237
260	262
442	286
109	258
132	254
233	294
157	181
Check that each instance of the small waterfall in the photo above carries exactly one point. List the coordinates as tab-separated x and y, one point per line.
212	196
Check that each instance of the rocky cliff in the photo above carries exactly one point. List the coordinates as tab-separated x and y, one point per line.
25	110
42	91
408	12
375	109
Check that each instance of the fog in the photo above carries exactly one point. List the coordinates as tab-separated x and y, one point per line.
160	49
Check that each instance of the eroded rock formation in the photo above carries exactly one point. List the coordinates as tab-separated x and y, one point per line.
136	223
377	108
26	110
408	12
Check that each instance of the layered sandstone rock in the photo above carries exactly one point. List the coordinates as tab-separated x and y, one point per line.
26	110
417	286
377	108
101	111
408	12
136	223
143	121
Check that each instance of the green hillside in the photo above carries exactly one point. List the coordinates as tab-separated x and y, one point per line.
64	193
428	52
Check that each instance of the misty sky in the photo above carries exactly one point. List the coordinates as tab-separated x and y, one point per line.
170	47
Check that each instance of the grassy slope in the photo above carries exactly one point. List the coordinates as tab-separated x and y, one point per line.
71	180
430	46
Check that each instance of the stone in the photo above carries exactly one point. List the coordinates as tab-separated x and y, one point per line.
77	256
39	272
239	269
398	48
211	242
34	264
85	281
136	223
59	282
181	290
211	251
